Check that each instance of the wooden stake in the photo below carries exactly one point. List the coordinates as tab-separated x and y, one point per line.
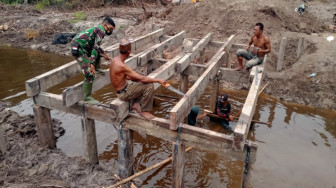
178	164
125	153
3	145
281	54
44	126
89	140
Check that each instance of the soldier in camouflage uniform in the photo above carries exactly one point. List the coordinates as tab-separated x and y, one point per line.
85	47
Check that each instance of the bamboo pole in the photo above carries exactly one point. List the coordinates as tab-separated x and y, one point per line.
146	170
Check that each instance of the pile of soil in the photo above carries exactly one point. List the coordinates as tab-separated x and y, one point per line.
27	164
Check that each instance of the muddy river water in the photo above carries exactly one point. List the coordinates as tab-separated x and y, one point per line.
297	150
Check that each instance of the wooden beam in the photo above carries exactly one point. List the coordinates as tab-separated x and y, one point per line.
165	72
64	72
74	93
226	74
178	164
300	49
182	108
44	126
244	121
51	78
190	135
89	140
187	59
281	54
136	43
159	48
125	153
101	113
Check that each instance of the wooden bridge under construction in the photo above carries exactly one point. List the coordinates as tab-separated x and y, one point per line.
174	129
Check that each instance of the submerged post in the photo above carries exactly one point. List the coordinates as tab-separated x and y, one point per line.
44	126
125	152
281	54
178	164
90	140
215	92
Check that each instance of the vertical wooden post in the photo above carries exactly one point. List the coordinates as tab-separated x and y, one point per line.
214	94
178	164
149	67
154	28
184	83
125	153
300	48
44	126
3	145
281	54
89	140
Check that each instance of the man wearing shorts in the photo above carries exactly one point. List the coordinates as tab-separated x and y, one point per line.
262	46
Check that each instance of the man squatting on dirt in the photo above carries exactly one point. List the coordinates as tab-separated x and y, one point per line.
262	46
131	85
85	47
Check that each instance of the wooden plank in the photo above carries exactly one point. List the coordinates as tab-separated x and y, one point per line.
64	72
159	48
125	153
214	44
44	126
244	121
89	140
100	113
178	164
183	107
300	48
51	78
165	72
226	74
281	54
187	59
190	135
136	43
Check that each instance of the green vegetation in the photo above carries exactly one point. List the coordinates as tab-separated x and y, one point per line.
78	16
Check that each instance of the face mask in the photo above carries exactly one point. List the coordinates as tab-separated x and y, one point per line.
108	32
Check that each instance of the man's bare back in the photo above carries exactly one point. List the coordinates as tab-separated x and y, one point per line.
117	76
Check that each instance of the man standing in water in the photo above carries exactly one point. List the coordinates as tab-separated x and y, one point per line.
262	46
85	47
131	85
223	109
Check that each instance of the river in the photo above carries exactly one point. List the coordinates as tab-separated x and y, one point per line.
297	150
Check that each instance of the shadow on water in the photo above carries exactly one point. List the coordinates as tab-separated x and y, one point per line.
297	150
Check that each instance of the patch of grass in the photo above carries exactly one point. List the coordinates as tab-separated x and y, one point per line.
31	34
42	4
78	16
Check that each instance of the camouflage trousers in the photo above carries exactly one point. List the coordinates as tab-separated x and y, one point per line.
84	61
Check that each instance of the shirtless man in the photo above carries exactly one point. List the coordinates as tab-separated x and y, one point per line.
262	46
131	85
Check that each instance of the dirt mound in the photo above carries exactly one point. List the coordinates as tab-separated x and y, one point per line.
27	164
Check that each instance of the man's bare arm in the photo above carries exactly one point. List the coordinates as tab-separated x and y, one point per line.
267	45
250	43
132	75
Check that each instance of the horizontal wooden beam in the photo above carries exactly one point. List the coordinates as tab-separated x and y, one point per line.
51	78
64	72
74	93
187	59
226	74
244	121
183	107
164	72
136	43
52	101
190	135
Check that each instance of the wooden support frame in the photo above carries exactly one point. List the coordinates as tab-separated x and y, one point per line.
74	94
125	153
182	108
58	75
244	121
